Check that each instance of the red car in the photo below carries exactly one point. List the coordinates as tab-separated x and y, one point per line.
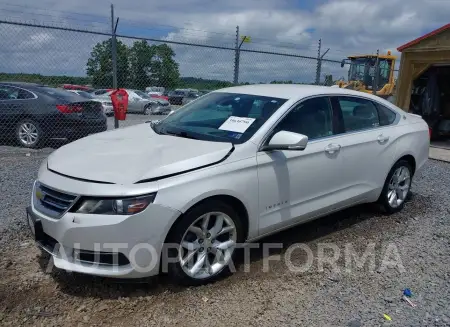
77	87
159	96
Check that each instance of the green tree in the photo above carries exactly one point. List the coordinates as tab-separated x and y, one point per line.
163	67
141	55
99	65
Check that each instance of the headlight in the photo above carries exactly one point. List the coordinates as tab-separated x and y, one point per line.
109	104
122	206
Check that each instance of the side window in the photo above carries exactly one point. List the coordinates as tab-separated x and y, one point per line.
24	94
387	116
313	118
358	114
8	93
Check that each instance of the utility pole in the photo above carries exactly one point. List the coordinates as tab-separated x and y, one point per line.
319	61
236	58
114	55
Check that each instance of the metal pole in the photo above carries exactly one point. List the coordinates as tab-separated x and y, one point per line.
114	57
236	58
319	72
375	74
318	63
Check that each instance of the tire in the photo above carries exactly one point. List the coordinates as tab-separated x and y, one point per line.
148	109
395	183
28	133
205	245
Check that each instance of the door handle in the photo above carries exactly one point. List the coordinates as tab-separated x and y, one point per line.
332	148
382	139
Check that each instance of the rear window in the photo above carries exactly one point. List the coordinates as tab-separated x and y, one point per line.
60	94
85	95
387	116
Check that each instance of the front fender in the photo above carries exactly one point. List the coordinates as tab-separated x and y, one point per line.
237	179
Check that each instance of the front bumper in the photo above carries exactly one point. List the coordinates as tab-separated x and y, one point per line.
162	110
105	245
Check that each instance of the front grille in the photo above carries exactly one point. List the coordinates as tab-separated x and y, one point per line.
51	202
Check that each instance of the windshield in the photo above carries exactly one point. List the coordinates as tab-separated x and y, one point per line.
363	69
359	67
142	94
220	117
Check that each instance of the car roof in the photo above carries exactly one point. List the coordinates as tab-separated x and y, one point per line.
293	91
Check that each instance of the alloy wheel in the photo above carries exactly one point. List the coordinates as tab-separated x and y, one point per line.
28	133
399	186
208	245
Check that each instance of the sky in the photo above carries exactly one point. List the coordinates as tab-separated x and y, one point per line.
345	27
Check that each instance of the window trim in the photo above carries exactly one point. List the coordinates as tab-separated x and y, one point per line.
292	107
19	88
340	133
375	103
397	115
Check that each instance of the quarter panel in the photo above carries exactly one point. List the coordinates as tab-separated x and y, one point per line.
414	140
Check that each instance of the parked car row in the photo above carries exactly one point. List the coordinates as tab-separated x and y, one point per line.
104	100
33	113
184	96
138	101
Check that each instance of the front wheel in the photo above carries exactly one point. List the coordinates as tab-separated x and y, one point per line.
396	187
202	245
149	109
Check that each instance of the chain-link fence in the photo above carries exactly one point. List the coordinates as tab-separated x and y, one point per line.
55	82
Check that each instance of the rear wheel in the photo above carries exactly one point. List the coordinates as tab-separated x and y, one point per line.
397	187
203	243
28	133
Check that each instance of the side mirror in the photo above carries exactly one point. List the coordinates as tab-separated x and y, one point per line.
284	140
342	63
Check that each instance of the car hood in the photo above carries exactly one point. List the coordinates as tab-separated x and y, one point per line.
133	154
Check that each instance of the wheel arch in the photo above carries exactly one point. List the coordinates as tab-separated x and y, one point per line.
231	200
410	159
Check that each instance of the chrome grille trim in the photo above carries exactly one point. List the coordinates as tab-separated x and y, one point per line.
52	202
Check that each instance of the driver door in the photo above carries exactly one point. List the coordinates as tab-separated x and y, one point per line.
295	186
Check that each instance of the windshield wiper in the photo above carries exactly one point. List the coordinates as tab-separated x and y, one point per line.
181	134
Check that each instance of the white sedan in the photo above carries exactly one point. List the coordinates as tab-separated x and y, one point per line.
235	165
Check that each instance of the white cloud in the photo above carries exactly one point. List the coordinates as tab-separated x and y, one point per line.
345	26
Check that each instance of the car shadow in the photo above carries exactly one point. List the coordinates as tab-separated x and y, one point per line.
80	285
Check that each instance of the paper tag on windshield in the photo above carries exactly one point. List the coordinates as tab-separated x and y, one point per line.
237	124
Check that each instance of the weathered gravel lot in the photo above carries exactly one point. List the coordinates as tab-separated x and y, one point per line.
420	233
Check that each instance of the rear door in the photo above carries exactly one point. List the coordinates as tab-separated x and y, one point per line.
367	144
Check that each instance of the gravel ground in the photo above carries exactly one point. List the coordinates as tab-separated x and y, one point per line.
330	297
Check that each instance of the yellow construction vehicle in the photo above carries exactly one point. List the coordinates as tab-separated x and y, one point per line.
362	75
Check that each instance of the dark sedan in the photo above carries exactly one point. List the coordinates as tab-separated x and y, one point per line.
32	114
